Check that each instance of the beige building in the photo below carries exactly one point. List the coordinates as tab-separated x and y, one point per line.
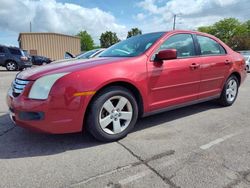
52	45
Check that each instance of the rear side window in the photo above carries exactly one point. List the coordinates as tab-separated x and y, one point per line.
183	43
15	51
2	50
209	46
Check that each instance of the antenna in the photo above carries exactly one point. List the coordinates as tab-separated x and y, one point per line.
174	21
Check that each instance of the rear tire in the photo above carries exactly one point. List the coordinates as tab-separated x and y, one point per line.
230	91
112	114
11	66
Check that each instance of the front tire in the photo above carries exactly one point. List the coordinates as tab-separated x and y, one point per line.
112	114
11	66
230	91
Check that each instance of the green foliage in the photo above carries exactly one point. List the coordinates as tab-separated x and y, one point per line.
207	29
87	42
232	32
134	32
108	38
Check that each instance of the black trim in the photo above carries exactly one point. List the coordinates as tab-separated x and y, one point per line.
196	45
28	116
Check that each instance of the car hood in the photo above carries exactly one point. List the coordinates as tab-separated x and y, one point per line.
65	67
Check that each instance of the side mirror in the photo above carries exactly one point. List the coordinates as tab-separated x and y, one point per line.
166	54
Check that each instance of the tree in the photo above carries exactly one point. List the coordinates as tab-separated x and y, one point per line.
247	25
207	29
231	31
134	32
87	42
228	28
240	42
108	38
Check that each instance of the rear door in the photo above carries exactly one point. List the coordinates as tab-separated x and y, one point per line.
214	64
176	81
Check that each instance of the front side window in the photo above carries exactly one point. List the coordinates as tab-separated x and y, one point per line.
209	46
183	43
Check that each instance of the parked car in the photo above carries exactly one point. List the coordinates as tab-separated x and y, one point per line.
137	77
26	53
246	54
247	58
40	60
13	58
90	54
85	55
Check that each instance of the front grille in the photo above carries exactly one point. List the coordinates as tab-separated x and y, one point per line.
18	86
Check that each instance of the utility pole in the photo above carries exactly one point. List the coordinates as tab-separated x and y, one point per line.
174	21
30	27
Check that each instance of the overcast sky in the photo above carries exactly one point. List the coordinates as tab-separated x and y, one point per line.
97	16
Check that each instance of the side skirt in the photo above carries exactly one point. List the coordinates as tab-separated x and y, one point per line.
181	105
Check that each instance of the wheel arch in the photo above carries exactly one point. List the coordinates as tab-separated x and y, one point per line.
9	60
237	75
132	88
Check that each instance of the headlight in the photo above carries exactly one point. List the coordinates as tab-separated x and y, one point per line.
42	86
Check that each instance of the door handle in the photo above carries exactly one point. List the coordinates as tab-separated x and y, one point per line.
227	62
194	66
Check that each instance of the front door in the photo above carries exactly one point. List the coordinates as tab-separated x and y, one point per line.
173	82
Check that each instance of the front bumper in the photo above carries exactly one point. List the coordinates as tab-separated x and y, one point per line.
56	115
25	64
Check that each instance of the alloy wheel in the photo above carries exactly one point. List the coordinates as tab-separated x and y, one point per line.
11	66
115	115
231	90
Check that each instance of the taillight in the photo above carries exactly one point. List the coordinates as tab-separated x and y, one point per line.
24	58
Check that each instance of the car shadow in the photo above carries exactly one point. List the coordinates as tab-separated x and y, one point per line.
16	142
8	71
172	115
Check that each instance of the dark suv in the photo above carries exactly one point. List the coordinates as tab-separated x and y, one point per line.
13	58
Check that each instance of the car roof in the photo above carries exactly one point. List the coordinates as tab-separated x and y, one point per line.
9	46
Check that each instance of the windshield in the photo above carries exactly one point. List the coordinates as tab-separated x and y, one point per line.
24	53
133	46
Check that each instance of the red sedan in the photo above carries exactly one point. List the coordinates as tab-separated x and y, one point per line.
137	77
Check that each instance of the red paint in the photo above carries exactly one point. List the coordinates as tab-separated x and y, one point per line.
161	85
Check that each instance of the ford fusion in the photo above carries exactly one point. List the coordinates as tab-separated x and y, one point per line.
136	77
